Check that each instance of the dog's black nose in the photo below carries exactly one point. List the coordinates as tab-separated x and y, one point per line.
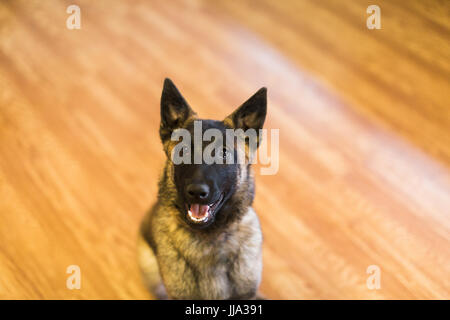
197	191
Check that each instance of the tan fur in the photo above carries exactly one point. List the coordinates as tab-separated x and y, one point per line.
223	264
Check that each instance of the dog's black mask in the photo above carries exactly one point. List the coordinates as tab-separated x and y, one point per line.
203	189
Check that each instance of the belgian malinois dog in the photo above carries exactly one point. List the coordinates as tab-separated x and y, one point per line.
202	238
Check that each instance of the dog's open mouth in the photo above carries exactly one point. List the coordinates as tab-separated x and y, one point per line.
202	213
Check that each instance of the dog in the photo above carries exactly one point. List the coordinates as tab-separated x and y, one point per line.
202	239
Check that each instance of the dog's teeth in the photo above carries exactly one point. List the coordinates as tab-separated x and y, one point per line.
191	215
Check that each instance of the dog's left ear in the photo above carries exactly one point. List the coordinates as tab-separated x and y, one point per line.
251	114
175	111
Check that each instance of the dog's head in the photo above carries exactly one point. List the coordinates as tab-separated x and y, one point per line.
205	190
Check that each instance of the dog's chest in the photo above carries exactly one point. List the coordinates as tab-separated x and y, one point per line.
227	268
215	279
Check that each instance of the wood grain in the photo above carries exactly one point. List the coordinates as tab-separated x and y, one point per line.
364	139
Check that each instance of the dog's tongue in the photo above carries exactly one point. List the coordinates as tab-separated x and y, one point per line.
199	210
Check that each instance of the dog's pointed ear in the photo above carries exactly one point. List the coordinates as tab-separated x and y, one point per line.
251	114
175	111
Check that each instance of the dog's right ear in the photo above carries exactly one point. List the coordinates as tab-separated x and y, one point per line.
175	111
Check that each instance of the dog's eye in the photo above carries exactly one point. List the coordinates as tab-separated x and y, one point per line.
185	150
224	153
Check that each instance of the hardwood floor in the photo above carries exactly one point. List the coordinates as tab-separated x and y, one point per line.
364	124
